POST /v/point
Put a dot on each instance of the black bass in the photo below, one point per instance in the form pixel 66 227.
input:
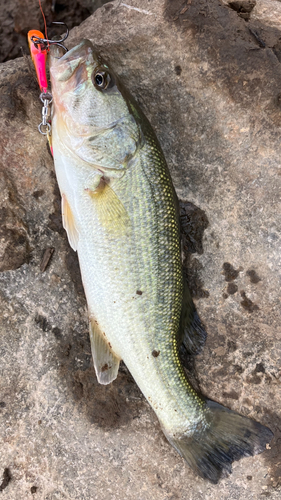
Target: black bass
pixel 120 212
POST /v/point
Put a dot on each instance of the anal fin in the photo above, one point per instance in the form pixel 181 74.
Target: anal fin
pixel 106 363
pixel 192 333
pixel 69 223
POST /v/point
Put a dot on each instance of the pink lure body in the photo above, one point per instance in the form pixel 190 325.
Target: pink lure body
pixel 39 58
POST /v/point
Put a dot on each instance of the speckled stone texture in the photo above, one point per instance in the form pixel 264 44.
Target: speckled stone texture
pixel 211 89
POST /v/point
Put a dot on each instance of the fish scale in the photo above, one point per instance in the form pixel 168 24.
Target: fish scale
pixel 121 215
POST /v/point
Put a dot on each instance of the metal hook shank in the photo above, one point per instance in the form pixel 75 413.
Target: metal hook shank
pixel 45 42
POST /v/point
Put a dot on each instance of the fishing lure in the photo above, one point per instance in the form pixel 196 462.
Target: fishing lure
pixel 39 53
pixel 39 47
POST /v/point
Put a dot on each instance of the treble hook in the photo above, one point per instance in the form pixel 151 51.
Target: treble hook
pixel 45 42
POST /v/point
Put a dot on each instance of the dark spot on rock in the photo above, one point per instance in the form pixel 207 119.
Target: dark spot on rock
pixel 39 422
pixel 268 379
pixel 37 194
pixel 259 368
pixel 238 369
pixel 247 354
pixel 72 264
pixel 243 7
pixel 231 395
pixel 257 409
pixel 247 303
pixel 155 353
pixel 178 70
pixel 109 344
pixel 193 222
pixel 20 240
pixel 254 278
pixel 254 379
pixel 33 489
pixel 42 322
pixel 57 332
pixel 232 288
pixel 2 404
pixel 67 350
pixel 225 296
pixel 229 272
pixel 231 346
pixel 105 367
pixel 6 479
pixel 249 478
pixel 139 292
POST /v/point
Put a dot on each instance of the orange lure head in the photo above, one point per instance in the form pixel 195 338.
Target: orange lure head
pixel 39 54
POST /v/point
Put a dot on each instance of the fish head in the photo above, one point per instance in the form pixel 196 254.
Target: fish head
pixel 93 115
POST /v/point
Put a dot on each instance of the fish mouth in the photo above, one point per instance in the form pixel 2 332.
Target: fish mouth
pixel 58 55
pixel 84 48
pixel 63 65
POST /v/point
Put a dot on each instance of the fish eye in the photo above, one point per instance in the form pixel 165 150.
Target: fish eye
pixel 101 79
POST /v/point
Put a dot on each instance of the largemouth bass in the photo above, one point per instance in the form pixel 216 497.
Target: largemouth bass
pixel 120 212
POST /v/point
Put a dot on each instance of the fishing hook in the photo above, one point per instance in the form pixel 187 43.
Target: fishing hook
pixel 45 42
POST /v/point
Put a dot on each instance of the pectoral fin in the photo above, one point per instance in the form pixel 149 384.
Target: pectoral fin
pixel 111 211
pixel 106 363
pixel 69 223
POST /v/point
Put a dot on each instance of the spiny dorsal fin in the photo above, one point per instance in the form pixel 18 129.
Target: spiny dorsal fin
pixel 69 223
pixel 106 363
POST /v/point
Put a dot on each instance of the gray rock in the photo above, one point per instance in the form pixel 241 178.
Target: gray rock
pixel 212 93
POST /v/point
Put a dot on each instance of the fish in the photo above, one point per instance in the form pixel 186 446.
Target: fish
pixel 120 212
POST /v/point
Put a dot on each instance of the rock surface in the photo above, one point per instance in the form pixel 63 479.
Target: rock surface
pixel 212 93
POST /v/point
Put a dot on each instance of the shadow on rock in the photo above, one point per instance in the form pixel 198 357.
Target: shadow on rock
pixel 107 406
pixel 193 222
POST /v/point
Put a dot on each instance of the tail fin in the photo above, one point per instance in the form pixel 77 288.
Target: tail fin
pixel 224 436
